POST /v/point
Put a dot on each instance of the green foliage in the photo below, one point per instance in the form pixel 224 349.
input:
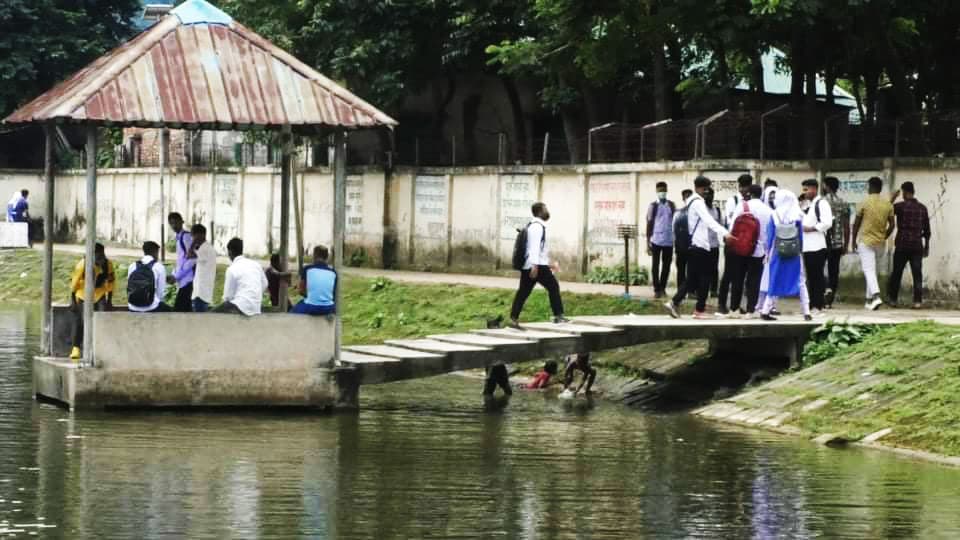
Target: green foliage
pixel 832 338
pixel 358 257
pixel 617 275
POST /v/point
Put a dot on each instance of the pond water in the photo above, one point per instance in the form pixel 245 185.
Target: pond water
pixel 422 460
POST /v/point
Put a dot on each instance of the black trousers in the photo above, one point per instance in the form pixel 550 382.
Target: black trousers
pixel 833 269
pixel 681 269
pixel 749 272
pixel 900 259
pixel 730 262
pixel 497 376
pixel 814 262
pixel 698 278
pixel 77 309
pixel 660 273
pixel 714 269
pixel 544 277
pixel 184 301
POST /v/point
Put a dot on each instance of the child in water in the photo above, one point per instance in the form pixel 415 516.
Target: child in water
pixel 542 379
pixel 579 362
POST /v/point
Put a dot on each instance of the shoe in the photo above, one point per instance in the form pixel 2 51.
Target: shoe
pixel 767 317
pixel 736 315
pixel 750 316
pixel 775 312
pixel 75 353
pixel 917 305
pixel 672 310
pixel 560 320
pixel 818 313
pixel 828 297
pixel 808 318
pixel 874 304
pixel 701 315
pixel 722 313
pixel 515 324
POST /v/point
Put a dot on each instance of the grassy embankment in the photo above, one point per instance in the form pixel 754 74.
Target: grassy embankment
pixel 374 309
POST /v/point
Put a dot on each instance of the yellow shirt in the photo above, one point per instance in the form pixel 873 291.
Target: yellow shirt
pixel 104 284
pixel 875 213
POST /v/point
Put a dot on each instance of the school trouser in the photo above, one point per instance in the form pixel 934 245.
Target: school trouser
pixel 662 258
pixel 868 263
pixel 900 259
pixel 751 280
pixel 497 376
pixel 833 269
pixel 544 277
pixel 714 268
pixel 735 272
pixel 184 301
pixel 698 278
pixel 731 261
pixel 814 262
pixel 681 269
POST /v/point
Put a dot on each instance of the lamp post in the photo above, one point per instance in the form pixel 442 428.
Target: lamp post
pixel 627 232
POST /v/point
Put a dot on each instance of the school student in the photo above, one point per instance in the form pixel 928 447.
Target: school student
pixel 537 268
pixel 731 262
pixel 244 284
pixel 205 269
pixel 183 270
pixel 147 282
pixel 699 224
pixel 748 271
pixel 681 254
pixel 912 244
pixel 104 280
pixel 660 239
pixel 838 237
pixel 714 242
pixel 785 256
pixel 318 285
pixel 817 220
pixel 874 225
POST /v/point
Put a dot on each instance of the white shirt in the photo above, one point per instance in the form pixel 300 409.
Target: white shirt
pixel 732 208
pixel 160 277
pixel 714 237
pixel 764 215
pixel 817 240
pixel 700 223
pixel 536 245
pixel 244 284
pixel 205 272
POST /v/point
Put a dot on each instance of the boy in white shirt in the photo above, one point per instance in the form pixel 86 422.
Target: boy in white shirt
pixel 145 292
pixel 244 283
pixel 205 273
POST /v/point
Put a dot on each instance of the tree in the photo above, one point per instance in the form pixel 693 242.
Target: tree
pixel 42 42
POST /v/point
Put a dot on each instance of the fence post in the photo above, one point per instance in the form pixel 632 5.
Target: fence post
pixel 500 149
pixel 416 151
pixel 896 138
pixel 703 131
pixel 453 150
pixel 763 128
pixel 546 145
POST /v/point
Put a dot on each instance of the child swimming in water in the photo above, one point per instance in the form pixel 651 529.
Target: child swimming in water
pixel 542 379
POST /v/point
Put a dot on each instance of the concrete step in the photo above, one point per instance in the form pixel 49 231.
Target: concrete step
pixel 459 356
pixel 548 343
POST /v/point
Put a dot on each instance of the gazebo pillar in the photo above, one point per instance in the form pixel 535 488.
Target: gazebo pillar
pixel 46 338
pixel 91 224
pixel 339 227
pixel 286 167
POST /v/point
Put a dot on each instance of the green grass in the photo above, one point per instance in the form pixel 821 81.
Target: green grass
pixel 373 309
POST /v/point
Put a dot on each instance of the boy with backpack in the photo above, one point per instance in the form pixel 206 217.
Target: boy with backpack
pixel 817 220
pixel 147 282
pixel 733 263
pixel 531 258
pixel 660 239
pixel 750 223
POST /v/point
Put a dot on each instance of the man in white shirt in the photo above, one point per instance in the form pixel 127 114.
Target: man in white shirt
pixel 732 209
pixel 699 224
pixel 817 220
pixel 537 268
pixel 205 269
pixel 749 271
pixel 147 282
pixel 244 283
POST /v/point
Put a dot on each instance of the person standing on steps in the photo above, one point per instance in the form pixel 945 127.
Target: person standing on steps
pixel 102 293
pixel 183 270
pixel 695 239
pixel 784 271
pixel 537 268
pixel 749 271
pixel 715 242
pixel 731 262
pixel 681 255
pixel 912 244
pixel 817 220
pixel 660 239
pixel 875 220
pixel 838 237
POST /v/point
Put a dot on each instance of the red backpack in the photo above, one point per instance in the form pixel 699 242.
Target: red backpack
pixel 746 230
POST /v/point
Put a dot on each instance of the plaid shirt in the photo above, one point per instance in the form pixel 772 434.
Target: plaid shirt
pixel 913 225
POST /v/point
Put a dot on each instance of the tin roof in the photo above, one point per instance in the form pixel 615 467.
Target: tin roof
pixel 198 68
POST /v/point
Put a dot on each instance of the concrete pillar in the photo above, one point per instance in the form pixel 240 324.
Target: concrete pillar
pixel 89 272
pixel 347 387
pixel 339 225
pixel 46 344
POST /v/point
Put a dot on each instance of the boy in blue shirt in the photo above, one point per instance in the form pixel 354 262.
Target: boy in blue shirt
pixel 318 283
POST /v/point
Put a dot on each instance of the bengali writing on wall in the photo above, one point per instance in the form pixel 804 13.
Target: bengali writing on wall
pixel 430 207
pixel 517 194
pixel 354 204
pixel 611 203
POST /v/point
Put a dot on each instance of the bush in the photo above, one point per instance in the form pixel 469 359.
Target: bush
pixel 832 338
pixel 616 275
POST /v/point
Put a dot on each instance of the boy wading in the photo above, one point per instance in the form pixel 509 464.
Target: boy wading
pixel 535 266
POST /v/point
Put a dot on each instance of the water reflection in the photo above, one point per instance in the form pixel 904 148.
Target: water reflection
pixel 423 460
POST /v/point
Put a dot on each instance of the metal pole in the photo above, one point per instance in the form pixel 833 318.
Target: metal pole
pixel 896 138
pixel 416 151
pixel 339 225
pixel 47 316
pixel 453 151
pixel 89 272
pixel 826 139
pixel 286 165
pixel 763 128
pixel 626 265
pixel 163 195
pixel 546 145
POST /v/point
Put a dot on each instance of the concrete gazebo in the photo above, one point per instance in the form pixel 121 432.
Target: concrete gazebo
pixel 195 69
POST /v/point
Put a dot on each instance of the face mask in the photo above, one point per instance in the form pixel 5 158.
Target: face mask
pixel 546 216
pixel 662 195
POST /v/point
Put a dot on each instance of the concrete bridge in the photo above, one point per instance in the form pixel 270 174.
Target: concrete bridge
pixel 280 360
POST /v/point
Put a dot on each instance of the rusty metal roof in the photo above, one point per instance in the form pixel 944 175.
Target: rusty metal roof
pixel 198 68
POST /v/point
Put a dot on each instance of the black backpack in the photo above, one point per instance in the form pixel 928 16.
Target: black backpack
pixel 682 235
pixel 142 285
pixel 520 247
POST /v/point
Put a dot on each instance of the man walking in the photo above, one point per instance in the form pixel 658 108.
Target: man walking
pixel 875 222
pixel 537 268
pixel 911 245
pixel 817 220
pixel 838 237
pixel 183 271
pixel 731 261
pixel 205 273
pixel 681 254
pixel 700 222
pixel 660 239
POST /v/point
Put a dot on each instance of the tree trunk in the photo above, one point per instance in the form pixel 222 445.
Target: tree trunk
pixel 812 121
pixel 757 83
pixel 571 132
pixel 520 138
